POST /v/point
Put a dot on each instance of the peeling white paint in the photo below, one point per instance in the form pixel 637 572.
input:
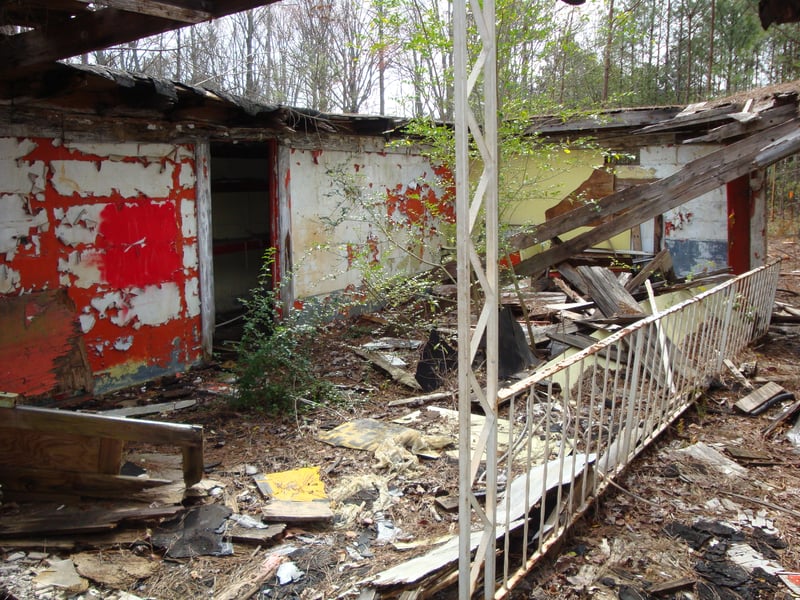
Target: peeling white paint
pixel 83 267
pixel 190 256
pixel 9 279
pixel 87 321
pixel 123 343
pixel 87 178
pixel 16 222
pixel 79 224
pixel 186 177
pixel 22 177
pixel 13 148
pixel 188 219
pixel 155 305
pixel 103 303
pixel 192 295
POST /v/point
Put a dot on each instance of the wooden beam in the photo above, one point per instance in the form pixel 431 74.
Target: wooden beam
pixel 661 262
pixel 766 119
pixel 92 30
pixel 634 205
pixel 174 11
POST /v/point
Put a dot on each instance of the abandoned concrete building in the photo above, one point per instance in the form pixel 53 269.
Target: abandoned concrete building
pixel 86 183
pixel 135 213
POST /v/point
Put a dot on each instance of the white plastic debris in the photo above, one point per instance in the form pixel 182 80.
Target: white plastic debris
pixel 288 573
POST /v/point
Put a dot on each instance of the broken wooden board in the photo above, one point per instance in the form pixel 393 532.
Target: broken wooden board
pixel 398 374
pixel 661 262
pixel 70 520
pixel 109 434
pixel 149 409
pixel 737 374
pixel 581 342
pixel 785 415
pixel 18 482
pixel 759 397
pixel 744 454
pixel 609 294
pixel 599 184
pixel 255 536
pixel 667 587
pixel 297 512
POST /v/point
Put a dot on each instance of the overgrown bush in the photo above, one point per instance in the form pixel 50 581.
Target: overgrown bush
pixel 274 368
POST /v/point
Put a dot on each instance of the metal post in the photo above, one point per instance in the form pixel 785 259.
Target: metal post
pixel 469 263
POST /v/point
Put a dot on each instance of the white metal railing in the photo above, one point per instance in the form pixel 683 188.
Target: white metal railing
pixel 577 422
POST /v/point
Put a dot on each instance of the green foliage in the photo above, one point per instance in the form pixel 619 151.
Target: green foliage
pixel 274 364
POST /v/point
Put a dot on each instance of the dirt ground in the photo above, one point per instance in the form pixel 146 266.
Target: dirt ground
pixel 639 535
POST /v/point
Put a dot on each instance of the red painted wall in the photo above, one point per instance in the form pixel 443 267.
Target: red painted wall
pixel 115 225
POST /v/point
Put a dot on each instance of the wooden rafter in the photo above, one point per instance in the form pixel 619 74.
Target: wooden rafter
pixel 47 31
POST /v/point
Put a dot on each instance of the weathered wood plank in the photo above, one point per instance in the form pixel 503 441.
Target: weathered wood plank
pixel 148 409
pixel 758 397
pixel 737 374
pixel 72 520
pixel 33 449
pixel 661 262
pixel 297 512
pixel 60 422
pixel 608 293
pixel 24 480
pixel 768 118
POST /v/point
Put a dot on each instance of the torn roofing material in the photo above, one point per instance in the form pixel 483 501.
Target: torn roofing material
pixel 108 92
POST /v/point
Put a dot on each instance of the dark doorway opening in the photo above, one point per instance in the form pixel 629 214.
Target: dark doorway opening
pixel 241 221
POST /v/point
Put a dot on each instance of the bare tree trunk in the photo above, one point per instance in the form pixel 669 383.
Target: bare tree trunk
pixel 711 48
pixel 607 53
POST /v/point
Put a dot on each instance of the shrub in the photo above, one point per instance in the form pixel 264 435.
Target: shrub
pixel 274 367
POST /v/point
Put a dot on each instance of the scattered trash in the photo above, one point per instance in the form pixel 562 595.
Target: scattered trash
pixel 60 574
pixel 373 435
pixel 116 570
pixel 288 573
pixel 295 495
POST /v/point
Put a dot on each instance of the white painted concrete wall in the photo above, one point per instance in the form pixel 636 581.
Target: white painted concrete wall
pixel 344 203
pixel 696 232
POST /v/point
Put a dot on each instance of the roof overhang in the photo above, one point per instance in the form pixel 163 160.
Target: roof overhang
pixel 38 32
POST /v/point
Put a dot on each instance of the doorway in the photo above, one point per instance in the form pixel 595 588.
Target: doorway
pixel 242 208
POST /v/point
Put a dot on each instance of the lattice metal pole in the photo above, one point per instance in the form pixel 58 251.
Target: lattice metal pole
pixel 476 214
